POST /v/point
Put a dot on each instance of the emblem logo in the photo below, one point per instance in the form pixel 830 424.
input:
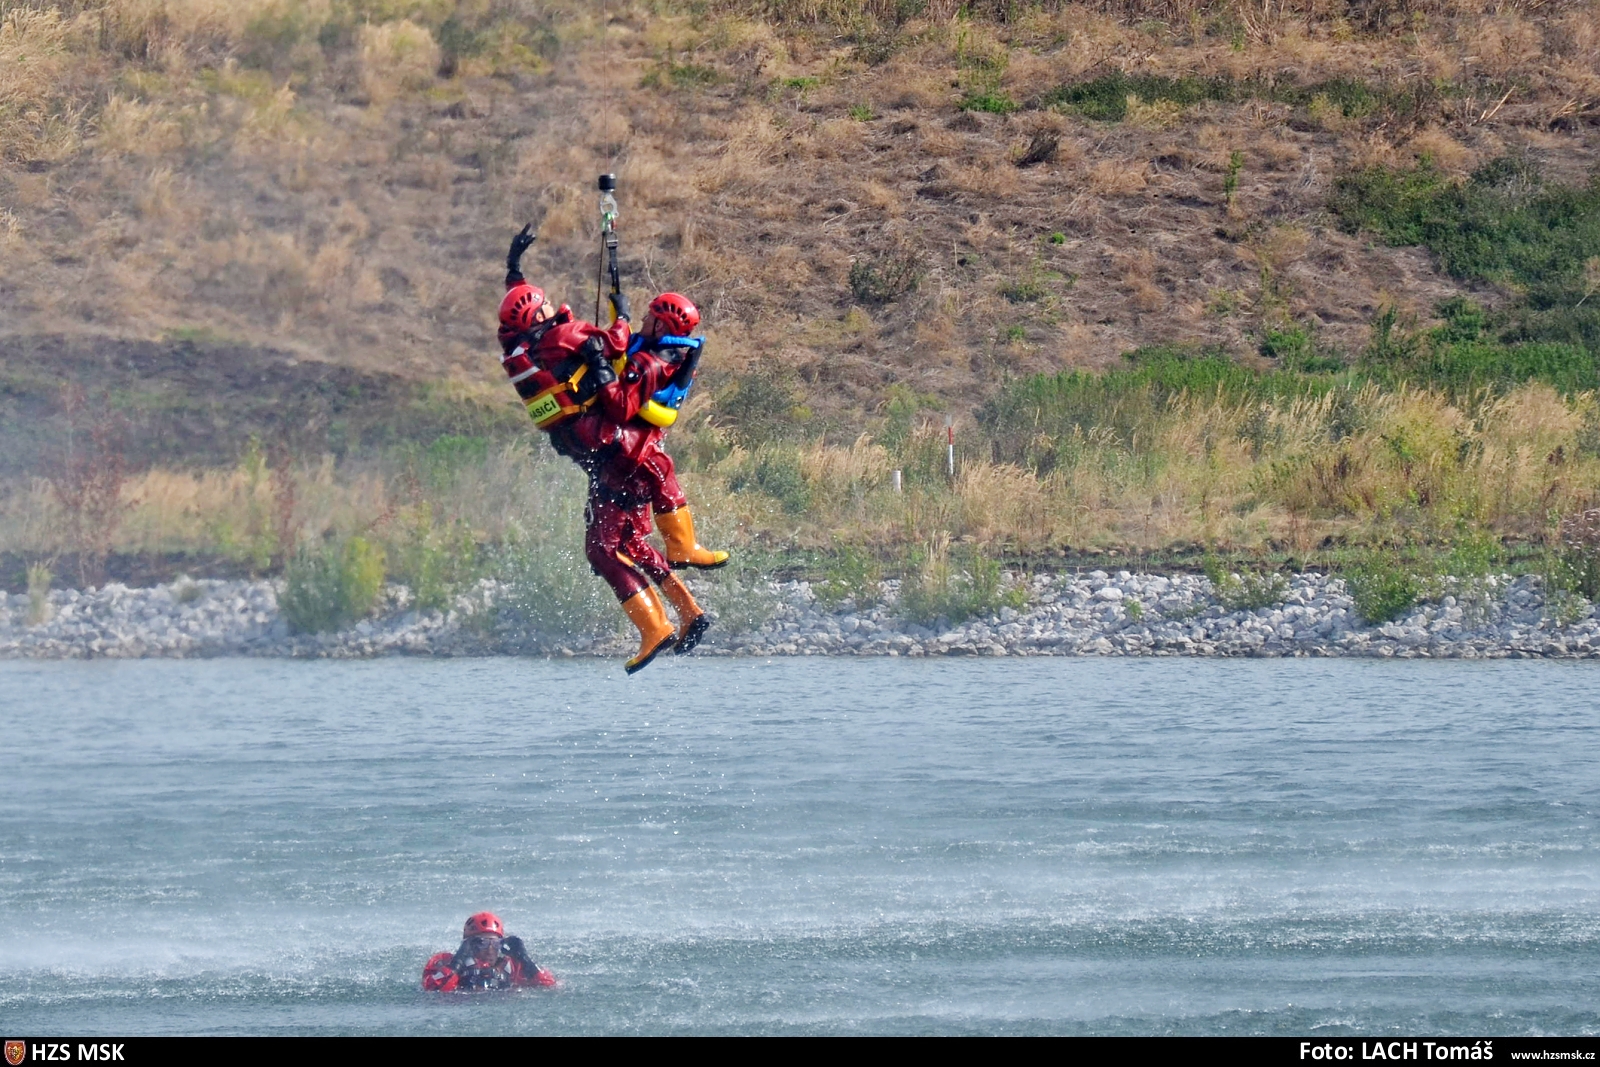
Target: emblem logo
pixel 15 1051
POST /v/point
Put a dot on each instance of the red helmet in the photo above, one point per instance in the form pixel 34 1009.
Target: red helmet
pixel 676 312
pixel 523 308
pixel 485 922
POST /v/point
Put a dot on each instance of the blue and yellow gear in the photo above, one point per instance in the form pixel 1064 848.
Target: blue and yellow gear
pixel 662 407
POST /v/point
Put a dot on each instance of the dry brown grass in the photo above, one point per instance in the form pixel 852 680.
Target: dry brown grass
pixel 396 57
pixel 38 120
pixel 352 202
pixel 1117 177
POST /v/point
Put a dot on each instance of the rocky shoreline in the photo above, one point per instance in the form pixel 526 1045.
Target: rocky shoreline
pixel 1093 613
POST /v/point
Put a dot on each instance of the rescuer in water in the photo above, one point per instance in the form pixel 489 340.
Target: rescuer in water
pixel 582 386
pixel 487 959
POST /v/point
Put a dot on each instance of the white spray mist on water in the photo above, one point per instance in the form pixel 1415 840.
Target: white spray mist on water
pixel 804 845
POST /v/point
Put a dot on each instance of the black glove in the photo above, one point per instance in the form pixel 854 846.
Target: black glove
pixel 513 947
pixel 519 245
pixel 686 370
pixel 619 306
pixel 593 354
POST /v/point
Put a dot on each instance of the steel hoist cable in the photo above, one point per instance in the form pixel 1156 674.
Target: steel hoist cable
pixel 608 181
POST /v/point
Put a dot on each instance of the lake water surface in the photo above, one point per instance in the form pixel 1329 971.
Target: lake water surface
pixel 804 845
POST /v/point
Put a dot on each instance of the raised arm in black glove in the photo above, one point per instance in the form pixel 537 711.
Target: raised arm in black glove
pixel 513 947
pixel 519 245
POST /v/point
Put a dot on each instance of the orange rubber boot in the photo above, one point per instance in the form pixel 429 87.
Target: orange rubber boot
pixel 644 610
pixel 692 621
pixel 677 530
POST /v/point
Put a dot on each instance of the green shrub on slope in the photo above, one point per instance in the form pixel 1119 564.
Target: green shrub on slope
pixel 1504 225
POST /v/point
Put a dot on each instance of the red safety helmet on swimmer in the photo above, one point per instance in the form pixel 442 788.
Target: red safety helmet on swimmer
pixel 485 922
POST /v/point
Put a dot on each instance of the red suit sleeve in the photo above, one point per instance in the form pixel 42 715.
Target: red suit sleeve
pixel 619 400
pixel 530 975
pixel 437 975
pixel 640 380
pixel 617 336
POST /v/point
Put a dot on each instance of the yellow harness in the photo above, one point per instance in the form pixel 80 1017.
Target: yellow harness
pixel 554 405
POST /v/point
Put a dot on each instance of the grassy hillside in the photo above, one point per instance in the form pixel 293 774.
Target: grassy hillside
pixel 850 188
pixel 1341 237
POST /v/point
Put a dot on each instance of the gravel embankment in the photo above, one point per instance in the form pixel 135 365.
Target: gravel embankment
pixel 1082 614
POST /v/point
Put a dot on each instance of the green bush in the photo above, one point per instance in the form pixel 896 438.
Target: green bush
pixel 1353 99
pixel 1464 320
pixel 270 39
pixel 741 598
pixel 1458 357
pixel 1029 287
pixel 902 413
pixel 1106 98
pixel 1230 181
pixel 982 70
pixel 254 540
pixel 457 41
pixel 850 574
pixel 885 277
pixel 1395 342
pixel 1469 364
pixel 1574 570
pixel 954 588
pixel 763 407
pixel 1043 420
pixel 1382 587
pixel 1571 568
pixel 1473 554
pixel 328 587
pixel 1047 421
pixel 1295 348
pixel 39 578
pixel 775 471
pixel 444 460
pixel 1572 563
pixel 549 590
pixel 435 562
pixel 1464 572
pixel 1024 291
pixel 669 72
pixel 1244 592
pixel 1503 225
pixel 992 101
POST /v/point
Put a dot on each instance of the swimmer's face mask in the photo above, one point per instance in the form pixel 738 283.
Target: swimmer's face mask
pixel 483 949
